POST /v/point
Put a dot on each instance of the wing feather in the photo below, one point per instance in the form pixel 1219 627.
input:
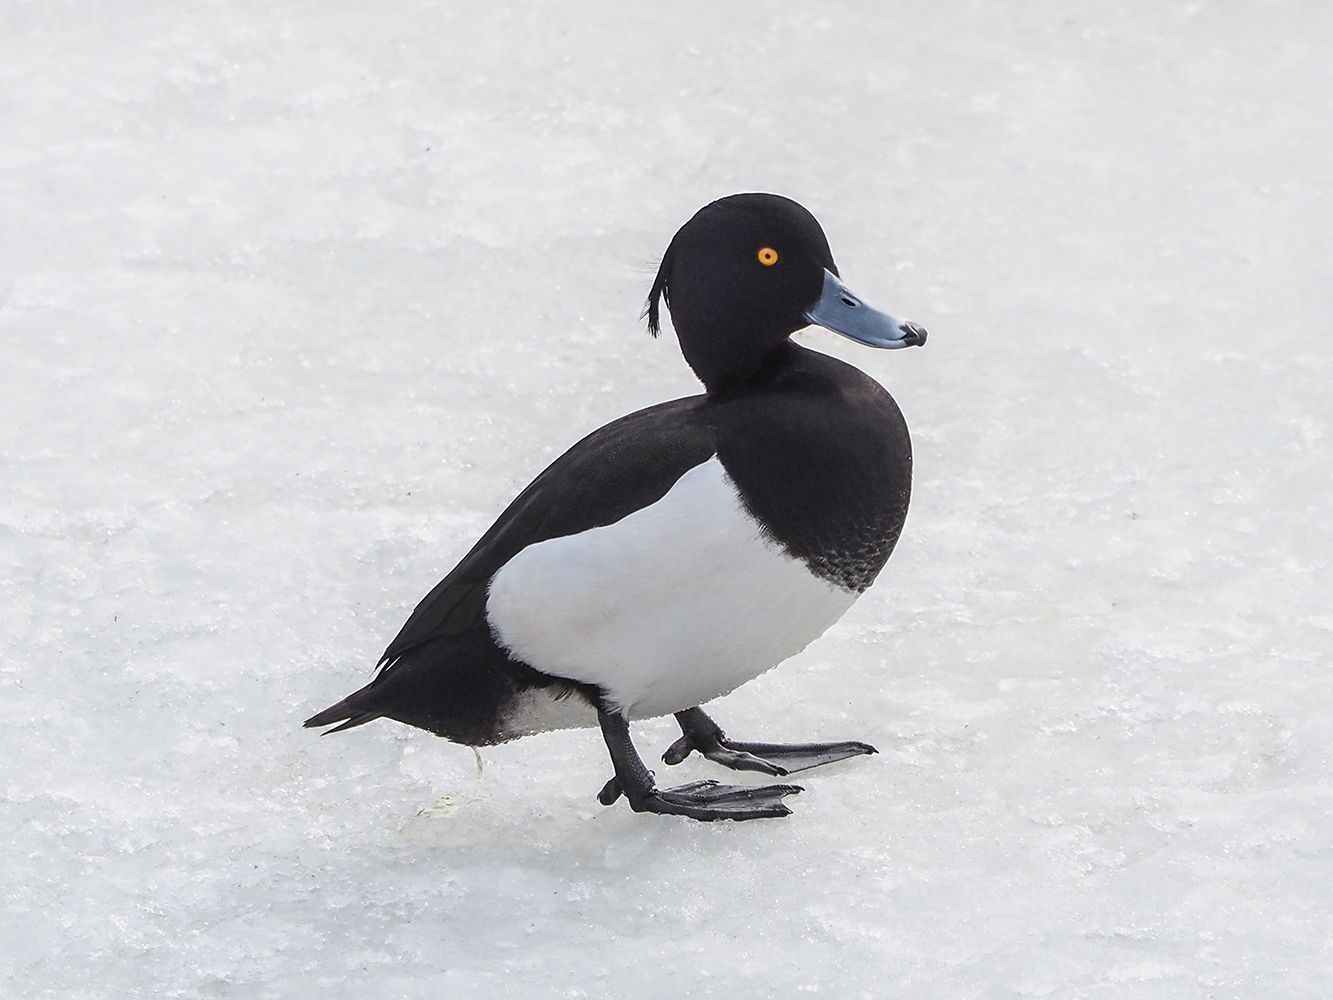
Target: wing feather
pixel 628 464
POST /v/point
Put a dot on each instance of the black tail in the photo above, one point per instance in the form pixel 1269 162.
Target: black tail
pixel 455 686
pixel 354 709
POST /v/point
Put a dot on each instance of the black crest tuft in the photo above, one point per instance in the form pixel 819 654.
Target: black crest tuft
pixel 657 295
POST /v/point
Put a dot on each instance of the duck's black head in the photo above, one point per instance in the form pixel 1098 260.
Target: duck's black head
pixel 746 273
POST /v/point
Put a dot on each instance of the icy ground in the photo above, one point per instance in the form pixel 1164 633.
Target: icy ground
pixel 295 296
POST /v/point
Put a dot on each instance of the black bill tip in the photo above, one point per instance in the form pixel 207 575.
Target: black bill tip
pixel 913 335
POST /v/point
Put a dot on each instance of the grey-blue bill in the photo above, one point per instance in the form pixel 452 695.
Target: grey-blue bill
pixel 841 310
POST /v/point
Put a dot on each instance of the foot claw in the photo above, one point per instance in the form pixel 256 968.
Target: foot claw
pixel 678 751
pixel 610 792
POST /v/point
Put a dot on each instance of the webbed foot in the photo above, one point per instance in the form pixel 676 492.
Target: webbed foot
pixel 701 800
pixel 701 733
pixel 708 800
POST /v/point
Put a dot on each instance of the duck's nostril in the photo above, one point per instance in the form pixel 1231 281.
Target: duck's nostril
pixel 849 302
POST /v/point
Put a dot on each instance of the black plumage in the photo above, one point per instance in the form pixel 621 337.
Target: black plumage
pixel 817 452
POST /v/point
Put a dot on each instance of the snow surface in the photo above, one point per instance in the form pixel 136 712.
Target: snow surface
pixel 295 296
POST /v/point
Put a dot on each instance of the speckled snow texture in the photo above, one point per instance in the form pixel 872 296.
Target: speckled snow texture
pixel 295 297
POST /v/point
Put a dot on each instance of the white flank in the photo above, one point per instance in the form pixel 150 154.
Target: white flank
pixel 667 608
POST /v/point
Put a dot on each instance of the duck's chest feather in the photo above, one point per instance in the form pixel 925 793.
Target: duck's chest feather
pixel 822 459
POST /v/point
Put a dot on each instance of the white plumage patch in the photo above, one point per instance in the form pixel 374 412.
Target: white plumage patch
pixel 669 607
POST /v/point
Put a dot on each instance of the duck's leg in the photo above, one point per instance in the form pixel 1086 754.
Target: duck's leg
pixel 701 733
pixel 704 800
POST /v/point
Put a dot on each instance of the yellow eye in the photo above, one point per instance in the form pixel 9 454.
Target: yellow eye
pixel 767 256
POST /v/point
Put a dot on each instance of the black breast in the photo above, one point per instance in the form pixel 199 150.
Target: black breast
pixel 822 458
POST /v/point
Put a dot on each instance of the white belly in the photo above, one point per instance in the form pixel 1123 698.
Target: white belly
pixel 667 608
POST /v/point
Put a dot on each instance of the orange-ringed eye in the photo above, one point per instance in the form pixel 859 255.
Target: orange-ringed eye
pixel 767 256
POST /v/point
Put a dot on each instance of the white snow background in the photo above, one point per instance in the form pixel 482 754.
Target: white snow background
pixel 296 296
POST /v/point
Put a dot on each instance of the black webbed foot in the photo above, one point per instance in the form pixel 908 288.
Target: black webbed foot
pixel 701 733
pixel 701 800
pixel 708 800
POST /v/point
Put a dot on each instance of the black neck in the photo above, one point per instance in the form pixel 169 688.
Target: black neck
pixel 725 374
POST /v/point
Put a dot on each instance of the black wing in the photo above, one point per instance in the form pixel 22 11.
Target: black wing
pixel 628 464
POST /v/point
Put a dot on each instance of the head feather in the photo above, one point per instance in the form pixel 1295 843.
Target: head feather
pixel 658 294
